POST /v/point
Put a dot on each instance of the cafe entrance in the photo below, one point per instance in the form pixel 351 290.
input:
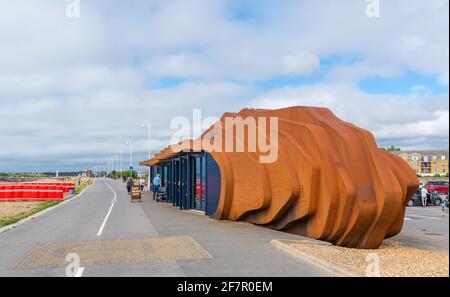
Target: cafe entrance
pixel 186 177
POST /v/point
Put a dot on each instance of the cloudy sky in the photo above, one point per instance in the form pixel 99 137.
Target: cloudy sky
pixel 74 90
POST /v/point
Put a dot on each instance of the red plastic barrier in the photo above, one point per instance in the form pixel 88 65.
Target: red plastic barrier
pixel 18 192
pixel 52 192
pixel 34 195
pixel 9 192
pixel 32 191
pixel 43 192
pixel 27 192
pixel 60 194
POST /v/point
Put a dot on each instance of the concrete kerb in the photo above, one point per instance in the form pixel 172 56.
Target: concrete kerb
pixel 307 258
pixel 47 210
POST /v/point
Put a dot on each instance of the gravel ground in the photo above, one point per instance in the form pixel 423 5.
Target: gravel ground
pixel 13 208
pixel 394 259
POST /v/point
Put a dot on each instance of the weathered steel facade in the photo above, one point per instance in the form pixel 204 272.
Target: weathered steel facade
pixel 330 180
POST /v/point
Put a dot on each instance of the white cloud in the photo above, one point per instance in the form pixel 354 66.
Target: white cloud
pixel 48 129
pixel 433 125
pixel 393 119
pixel 361 70
pixel 76 89
pixel 301 63
pixel 80 78
pixel 420 90
pixel 181 65
pixel 38 35
pixel 443 79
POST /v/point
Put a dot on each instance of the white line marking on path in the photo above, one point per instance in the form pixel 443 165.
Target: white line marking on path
pixel 407 219
pixel 109 212
pixel 427 218
pixel 80 272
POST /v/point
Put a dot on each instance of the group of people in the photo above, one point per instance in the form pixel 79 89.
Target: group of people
pixel 424 194
pixel 130 185
pixel 156 185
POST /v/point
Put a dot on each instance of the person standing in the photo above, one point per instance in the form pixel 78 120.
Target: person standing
pixel 129 185
pixel 156 185
pixel 424 194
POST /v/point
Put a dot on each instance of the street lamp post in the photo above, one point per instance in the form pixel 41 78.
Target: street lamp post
pixel 117 163
pixel 113 169
pixel 148 126
pixel 121 164
pixel 130 143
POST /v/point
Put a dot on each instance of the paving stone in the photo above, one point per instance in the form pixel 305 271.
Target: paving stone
pixel 113 251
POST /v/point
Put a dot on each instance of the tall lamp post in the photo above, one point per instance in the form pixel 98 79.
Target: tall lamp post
pixel 130 144
pixel 147 125
pixel 113 166
pixel 117 163
pixel 121 164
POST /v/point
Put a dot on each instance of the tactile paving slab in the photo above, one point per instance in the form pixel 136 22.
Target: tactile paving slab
pixel 52 255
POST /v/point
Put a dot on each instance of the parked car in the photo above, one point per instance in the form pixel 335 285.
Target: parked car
pixel 433 199
pixel 441 187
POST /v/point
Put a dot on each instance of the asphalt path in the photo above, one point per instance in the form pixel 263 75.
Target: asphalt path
pixel 104 213
pixel 426 228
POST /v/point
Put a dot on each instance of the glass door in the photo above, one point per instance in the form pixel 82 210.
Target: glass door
pixel 177 182
pixel 184 202
pixel 198 184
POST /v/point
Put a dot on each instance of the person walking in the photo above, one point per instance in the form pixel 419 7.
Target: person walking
pixel 424 195
pixel 141 184
pixel 129 185
pixel 156 185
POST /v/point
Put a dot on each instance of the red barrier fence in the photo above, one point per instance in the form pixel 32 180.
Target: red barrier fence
pixel 197 188
pixel 34 191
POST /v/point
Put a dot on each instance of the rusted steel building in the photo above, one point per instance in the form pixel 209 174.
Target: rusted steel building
pixel 329 180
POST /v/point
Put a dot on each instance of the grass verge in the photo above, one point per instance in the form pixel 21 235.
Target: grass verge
pixel 9 220
pixel 83 185
pixel 5 221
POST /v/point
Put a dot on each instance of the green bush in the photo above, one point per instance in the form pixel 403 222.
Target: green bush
pixel 120 174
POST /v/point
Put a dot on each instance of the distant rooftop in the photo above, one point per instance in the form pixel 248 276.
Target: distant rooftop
pixel 422 152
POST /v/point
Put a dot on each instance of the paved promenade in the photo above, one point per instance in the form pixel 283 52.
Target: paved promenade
pixel 114 237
